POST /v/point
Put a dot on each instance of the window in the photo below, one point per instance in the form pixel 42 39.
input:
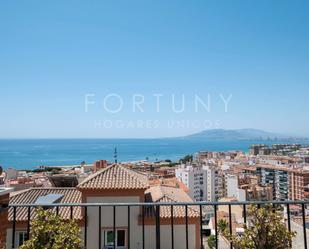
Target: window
pixel 21 237
pixel 120 238
pixel 109 239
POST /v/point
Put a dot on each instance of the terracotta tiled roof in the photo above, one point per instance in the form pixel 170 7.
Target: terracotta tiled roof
pixel 164 194
pixel 115 177
pixel 29 196
pixel 169 182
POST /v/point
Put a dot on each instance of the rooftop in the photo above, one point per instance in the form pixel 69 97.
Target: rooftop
pixel 30 196
pixel 283 168
pixel 115 177
pixel 164 194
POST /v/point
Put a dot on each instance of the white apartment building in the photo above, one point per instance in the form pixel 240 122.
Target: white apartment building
pixel 232 189
pixel 203 182
pixel 213 183
pixel 195 178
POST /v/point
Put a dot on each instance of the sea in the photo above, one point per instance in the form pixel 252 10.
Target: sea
pixel 26 154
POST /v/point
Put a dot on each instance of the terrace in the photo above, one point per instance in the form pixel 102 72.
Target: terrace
pixel 175 225
pixel 117 208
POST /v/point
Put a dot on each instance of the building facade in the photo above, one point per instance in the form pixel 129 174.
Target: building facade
pixel 116 184
pixel 287 183
pixel 4 201
pixel 232 188
pixel 203 181
pixel 195 178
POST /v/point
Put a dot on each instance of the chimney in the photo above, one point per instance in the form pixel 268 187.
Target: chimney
pixel 101 164
pixel 4 202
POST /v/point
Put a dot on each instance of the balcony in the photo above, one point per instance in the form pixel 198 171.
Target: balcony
pixel 153 225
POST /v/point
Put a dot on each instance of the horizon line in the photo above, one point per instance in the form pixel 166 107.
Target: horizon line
pixel 283 136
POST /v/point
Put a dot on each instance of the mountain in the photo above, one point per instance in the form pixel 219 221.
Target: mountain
pixel 240 134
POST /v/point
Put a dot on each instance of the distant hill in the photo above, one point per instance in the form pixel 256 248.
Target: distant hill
pixel 240 134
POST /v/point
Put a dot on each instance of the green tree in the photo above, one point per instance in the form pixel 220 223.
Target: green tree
pixel 222 225
pixel 266 230
pixel 187 158
pixel 1 170
pixel 211 241
pixel 48 231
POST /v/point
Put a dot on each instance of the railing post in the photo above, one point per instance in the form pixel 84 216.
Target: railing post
pixel 143 226
pixel 304 226
pixel 230 221
pixel 245 214
pixel 288 216
pixel 129 227
pixel 100 232
pixel 289 220
pixel 216 226
pixel 28 223
pixel 85 220
pixel 114 226
pixel 172 225
pixel 187 230
pixel 201 226
pixel 158 241
pixel 14 227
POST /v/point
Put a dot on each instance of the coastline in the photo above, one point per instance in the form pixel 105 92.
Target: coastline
pixel 31 153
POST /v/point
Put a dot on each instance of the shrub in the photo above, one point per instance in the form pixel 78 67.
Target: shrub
pixel 266 230
pixel 211 241
pixel 48 231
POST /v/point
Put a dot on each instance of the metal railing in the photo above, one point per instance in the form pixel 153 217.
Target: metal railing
pixel 155 207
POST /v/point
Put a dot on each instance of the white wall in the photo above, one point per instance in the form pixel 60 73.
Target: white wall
pixel 211 183
pixel 231 185
pixel 107 219
pixel 166 238
pixel 135 229
pixel 232 189
pixel 195 178
pixel 241 195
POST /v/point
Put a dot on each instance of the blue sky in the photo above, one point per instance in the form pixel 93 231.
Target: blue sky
pixel 53 53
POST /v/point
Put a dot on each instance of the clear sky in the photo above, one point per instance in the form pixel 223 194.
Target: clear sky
pixel 54 53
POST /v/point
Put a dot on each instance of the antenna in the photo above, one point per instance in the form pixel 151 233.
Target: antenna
pixel 115 155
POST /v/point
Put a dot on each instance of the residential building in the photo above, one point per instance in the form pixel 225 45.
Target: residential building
pixel 259 149
pixel 195 178
pixel 4 201
pixel 232 188
pixel 11 174
pixel 288 183
pixel 275 149
pixel 116 184
pixel 214 183
pixel 258 193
